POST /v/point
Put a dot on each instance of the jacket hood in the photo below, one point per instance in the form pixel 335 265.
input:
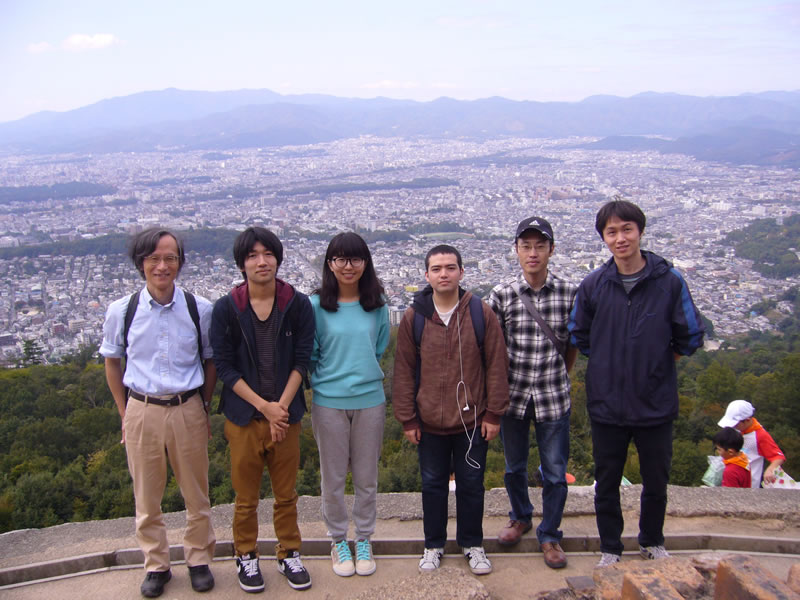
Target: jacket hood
pixel 423 301
pixel 284 292
pixel 655 266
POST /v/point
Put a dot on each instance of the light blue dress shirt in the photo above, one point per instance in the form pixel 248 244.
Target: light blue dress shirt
pixel 162 343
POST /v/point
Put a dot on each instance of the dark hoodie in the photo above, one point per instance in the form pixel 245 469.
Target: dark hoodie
pixel 631 340
pixel 434 409
pixel 232 337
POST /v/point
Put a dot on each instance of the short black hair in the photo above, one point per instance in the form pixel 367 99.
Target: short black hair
pixel 729 438
pixel 623 210
pixel 144 243
pixel 443 249
pixel 244 242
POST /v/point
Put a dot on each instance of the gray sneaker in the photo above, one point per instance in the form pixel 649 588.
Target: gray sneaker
pixel 479 564
pixel 430 559
pixel 342 559
pixel 607 559
pixel 653 552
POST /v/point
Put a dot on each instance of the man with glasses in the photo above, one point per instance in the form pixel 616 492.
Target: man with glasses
pixel 534 312
pixel 162 396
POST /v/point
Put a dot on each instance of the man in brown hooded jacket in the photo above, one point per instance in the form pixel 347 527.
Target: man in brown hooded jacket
pixel 449 393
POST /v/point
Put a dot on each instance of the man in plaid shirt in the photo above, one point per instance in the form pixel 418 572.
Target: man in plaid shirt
pixel 539 385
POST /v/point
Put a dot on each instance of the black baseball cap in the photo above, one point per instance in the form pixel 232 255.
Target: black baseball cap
pixel 537 224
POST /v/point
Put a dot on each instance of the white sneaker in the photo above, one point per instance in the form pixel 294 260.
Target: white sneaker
pixel 365 563
pixel 478 562
pixel 653 552
pixel 342 559
pixel 430 560
pixel 607 559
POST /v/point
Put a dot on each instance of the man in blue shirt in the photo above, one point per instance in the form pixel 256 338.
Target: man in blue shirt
pixel 162 397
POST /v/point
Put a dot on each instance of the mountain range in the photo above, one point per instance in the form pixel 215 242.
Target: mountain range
pixel 712 128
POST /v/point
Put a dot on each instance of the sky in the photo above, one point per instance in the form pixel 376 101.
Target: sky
pixel 62 54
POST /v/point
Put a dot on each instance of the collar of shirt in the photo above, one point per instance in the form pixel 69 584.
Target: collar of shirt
pixel 162 353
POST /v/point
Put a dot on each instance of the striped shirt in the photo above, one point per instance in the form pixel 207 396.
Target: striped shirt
pixel 265 333
pixel 536 370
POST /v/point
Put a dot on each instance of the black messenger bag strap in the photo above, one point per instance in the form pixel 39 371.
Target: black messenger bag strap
pixel 561 347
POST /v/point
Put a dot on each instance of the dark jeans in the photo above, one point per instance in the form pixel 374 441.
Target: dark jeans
pixel 610 449
pixel 552 438
pixel 436 455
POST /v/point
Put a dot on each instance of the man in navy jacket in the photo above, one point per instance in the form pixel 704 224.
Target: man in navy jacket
pixel 262 334
pixel 633 317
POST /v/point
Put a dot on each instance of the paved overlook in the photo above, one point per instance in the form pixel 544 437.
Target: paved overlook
pixel 99 559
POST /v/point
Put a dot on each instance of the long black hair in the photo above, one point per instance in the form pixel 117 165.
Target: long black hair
pixel 370 289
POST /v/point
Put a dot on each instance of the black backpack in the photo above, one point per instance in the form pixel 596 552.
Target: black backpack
pixel 478 325
pixel 191 304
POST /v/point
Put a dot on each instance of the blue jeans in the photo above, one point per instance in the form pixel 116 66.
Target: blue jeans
pixel 436 455
pixel 552 438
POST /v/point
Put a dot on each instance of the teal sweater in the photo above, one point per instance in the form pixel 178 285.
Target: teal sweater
pixel 345 362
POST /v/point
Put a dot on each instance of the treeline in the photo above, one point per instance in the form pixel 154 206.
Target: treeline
pixel 340 188
pixel 772 248
pixel 217 242
pixel 57 191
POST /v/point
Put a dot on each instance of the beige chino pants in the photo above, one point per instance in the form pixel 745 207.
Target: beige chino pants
pixel 153 434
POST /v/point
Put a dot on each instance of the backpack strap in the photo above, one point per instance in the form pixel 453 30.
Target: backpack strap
pixel 478 322
pixel 133 304
pixel 478 325
pixel 560 346
pixel 191 304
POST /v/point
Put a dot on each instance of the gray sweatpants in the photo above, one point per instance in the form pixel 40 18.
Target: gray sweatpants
pixel 349 438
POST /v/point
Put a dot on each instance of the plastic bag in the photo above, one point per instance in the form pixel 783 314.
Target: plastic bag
pixel 713 474
pixel 782 481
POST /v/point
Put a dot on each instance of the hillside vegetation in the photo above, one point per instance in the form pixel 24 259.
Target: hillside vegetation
pixel 61 460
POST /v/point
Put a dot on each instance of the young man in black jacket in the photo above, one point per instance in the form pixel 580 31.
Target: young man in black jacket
pixel 633 317
pixel 262 334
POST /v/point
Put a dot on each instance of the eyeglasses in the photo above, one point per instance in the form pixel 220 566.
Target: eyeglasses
pixel 154 259
pixel 341 262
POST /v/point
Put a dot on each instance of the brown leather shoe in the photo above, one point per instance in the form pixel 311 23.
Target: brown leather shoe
pixel 512 532
pixel 554 556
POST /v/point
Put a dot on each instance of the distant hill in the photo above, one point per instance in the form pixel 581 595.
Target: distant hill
pixel 737 145
pixel 221 121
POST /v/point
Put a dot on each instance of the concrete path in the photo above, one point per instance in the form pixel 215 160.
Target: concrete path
pixel 766 526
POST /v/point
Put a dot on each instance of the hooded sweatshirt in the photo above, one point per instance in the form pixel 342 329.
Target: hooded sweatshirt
pixel 449 357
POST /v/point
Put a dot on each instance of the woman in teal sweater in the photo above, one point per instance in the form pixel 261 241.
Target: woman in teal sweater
pixel 347 414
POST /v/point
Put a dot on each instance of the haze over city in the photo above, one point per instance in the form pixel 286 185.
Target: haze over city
pixel 60 56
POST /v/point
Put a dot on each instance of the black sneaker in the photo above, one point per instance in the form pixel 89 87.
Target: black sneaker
pixel 154 582
pixel 201 578
pixel 250 579
pixel 295 572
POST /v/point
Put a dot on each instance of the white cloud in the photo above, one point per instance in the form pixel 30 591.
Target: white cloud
pixel 38 47
pixel 388 84
pixel 443 85
pixel 81 41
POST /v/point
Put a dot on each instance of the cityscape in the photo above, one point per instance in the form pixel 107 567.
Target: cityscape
pixel 306 194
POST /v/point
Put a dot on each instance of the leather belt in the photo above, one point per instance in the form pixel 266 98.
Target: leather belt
pixel 175 400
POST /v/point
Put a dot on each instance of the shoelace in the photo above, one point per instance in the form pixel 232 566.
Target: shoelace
pixel 343 551
pixel 430 555
pixel 250 566
pixel 363 550
pixel 478 555
pixel 294 564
